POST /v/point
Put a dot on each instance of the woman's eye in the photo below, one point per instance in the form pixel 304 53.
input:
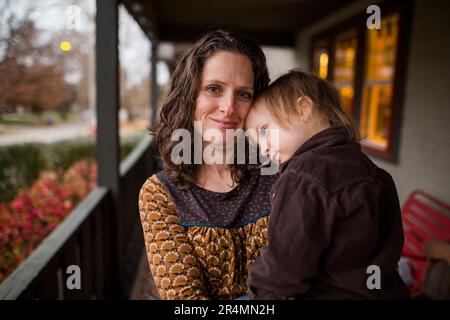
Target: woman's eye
pixel 245 95
pixel 213 89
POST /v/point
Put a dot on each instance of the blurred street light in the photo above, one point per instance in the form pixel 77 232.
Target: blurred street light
pixel 65 46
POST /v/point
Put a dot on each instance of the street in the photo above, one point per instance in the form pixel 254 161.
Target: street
pixel 50 134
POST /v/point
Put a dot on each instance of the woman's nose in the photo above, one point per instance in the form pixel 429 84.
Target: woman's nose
pixel 227 104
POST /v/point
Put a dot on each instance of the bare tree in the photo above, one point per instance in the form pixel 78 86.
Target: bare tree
pixel 33 73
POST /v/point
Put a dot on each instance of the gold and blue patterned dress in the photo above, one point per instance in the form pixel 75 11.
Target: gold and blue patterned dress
pixel 200 243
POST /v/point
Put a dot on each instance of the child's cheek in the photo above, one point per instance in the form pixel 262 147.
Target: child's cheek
pixel 274 140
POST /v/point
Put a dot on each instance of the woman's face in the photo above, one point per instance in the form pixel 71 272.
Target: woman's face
pixel 225 93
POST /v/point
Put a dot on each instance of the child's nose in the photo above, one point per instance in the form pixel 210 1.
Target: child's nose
pixel 263 144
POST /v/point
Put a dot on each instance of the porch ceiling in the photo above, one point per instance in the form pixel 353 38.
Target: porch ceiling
pixel 270 22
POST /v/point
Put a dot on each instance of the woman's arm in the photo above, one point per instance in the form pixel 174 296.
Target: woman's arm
pixel 173 264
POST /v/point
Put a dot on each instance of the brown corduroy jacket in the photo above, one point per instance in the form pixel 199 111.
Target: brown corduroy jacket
pixel 335 223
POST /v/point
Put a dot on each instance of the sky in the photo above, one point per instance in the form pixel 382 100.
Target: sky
pixel 52 16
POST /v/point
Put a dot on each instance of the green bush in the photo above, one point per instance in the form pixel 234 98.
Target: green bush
pixel 64 154
pixel 19 167
pixel 20 164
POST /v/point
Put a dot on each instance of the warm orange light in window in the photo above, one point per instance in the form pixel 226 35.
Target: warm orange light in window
pixel 347 96
pixel 344 68
pixel 377 99
pixel 323 65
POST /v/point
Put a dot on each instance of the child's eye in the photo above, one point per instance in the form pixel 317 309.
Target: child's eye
pixel 263 130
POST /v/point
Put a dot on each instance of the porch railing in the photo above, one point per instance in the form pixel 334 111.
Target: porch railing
pixel 106 244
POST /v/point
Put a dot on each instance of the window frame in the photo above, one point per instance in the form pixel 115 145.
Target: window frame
pixel 358 22
pixel 315 43
pixel 347 29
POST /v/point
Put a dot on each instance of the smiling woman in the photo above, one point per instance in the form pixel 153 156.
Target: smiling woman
pixel 205 223
pixel 226 91
pixel 222 103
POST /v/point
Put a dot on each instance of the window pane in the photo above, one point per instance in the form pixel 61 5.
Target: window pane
pixel 347 94
pixel 375 118
pixel 381 49
pixel 135 87
pixel 320 59
pixel 344 70
pixel 377 104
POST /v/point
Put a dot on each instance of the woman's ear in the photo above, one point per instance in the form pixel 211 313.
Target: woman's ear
pixel 305 108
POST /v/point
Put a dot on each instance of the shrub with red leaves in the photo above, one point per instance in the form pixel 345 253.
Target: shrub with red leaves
pixel 34 213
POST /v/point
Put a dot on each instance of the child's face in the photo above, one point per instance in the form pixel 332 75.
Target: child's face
pixel 275 141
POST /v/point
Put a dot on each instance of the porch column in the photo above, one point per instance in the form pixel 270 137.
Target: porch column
pixel 154 84
pixel 108 141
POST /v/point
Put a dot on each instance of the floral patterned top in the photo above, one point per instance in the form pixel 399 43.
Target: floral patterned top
pixel 201 243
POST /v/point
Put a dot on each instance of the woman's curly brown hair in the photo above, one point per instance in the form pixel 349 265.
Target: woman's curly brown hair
pixel 178 110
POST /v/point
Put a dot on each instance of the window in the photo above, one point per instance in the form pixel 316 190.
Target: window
pixel 320 59
pixel 363 66
pixel 344 69
pixel 377 102
pixel 135 76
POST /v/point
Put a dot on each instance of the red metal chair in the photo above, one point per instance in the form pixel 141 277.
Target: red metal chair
pixel 424 218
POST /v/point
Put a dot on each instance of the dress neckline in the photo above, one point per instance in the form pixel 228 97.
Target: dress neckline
pixel 218 193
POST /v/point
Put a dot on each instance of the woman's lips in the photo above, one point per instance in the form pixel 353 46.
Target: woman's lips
pixel 224 124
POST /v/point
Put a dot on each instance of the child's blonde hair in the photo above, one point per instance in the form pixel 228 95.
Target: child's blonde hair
pixel 282 94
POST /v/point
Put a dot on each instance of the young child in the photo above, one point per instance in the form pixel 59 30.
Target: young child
pixel 335 231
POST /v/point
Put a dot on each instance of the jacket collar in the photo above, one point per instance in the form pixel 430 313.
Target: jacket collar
pixel 335 135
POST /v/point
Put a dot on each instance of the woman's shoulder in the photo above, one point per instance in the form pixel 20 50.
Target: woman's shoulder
pixel 152 185
pixel 154 196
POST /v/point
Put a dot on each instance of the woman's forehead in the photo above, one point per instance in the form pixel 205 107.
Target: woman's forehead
pixel 228 67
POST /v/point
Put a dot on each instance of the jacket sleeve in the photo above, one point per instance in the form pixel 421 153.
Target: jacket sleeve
pixel 300 229
pixel 173 263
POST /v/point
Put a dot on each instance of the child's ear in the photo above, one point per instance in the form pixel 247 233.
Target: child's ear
pixel 305 107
